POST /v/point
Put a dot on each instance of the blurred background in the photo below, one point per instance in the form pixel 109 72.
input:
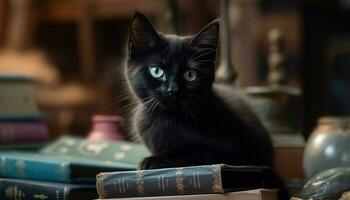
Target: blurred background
pixel 292 59
pixel 74 50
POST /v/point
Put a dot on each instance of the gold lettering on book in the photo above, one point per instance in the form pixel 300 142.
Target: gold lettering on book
pixel 195 180
pixel 216 182
pixel 119 185
pixel 58 194
pixel 14 193
pixel 40 196
pixel 123 185
pixel 159 182
pixel 198 181
pixel 180 180
pixel 161 185
pixel 140 183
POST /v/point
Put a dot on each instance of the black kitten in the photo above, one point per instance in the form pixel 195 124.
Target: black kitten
pixel 183 118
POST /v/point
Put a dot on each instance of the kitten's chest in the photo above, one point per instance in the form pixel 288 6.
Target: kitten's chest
pixel 159 132
pixel 161 126
pixel 179 126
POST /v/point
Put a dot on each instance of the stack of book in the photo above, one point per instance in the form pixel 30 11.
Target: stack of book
pixel 21 123
pixel 65 169
pixel 207 182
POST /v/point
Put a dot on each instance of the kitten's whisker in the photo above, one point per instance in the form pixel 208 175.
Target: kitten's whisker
pixel 122 99
pixel 153 106
pixel 133 111
pixel 146 98
pixel 138 107
pixel 128 106
pixel 159 105
pixel 146 104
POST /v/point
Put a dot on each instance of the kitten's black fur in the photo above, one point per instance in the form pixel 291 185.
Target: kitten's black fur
pixel 186 123
pixel 189 122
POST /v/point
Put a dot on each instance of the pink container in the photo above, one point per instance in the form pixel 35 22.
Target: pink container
pixel 107 127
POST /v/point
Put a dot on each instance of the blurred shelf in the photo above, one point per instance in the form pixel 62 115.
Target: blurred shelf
pixel 65 11
pixel 67 95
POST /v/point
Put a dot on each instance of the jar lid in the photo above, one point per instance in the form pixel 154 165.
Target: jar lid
pixel 334 120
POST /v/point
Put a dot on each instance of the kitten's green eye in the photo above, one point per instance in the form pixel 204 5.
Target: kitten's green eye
pixel 190 75
pixel 156 72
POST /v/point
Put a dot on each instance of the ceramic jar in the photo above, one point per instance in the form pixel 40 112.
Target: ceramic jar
pixel 106 127
pixel 328 146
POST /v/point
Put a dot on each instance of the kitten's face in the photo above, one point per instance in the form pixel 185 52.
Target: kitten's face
pixel 169 68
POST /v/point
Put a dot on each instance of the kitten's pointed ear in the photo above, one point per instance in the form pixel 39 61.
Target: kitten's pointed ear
pixel 208 37
pixel 141 33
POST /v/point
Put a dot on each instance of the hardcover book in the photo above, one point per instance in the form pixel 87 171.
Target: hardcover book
pixel 17 98
pixel 13 189
pixel 35 166
pixel 203 179
pixel 258 194
pixel 17 132
pixel 112 152
pixel 28 147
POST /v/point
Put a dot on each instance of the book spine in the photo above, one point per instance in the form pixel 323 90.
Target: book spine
pixel 172 181
pixel 22 132
pixel 34 170
pixel 22 118
pixel 12 189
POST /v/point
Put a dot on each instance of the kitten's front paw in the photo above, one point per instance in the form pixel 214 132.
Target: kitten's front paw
pixel 152 162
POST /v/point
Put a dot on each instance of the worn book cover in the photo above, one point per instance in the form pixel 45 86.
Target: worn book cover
pixel 203 179
pixel 36 166
pixel 14 189
pixel 113 152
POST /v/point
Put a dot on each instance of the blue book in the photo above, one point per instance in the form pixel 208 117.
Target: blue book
pixel 19 118
pixel 13 189
pixel 36 166
pixel 205 179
